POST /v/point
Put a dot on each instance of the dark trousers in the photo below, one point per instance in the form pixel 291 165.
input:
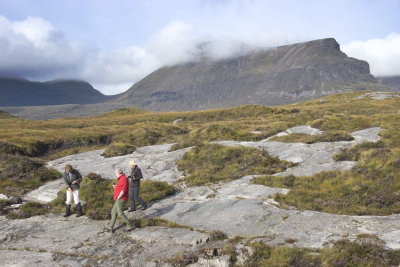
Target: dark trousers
pixel 134 195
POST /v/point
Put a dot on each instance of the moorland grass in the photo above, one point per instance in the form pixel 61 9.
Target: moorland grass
pixel 28 209
pixel 372 187
pixel 343 113
pixel 20 174
pixel 363 251
pixel 212 163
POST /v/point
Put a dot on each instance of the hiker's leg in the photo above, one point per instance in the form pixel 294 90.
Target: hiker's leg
pixel 138 198
pixel 131 198
pixel 120 209
pixel 114 213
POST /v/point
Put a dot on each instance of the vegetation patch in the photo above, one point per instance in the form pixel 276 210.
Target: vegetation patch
pixel 19 174
pixel 98 194
pixel 354 153
pixel 213 163
pixel 215 132
pixel 28 209
pixel 182 259
pixel 371 187
pixel 265 255
pixel 118 149
pixel 364 251
pixel 331 136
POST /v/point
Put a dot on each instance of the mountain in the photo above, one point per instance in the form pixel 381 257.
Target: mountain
pixel 20 92
pixel 392 82
pixel 282 75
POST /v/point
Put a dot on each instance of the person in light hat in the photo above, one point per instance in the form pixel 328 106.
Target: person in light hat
pixel 134 182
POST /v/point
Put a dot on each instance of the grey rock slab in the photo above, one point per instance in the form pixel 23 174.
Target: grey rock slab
pixel 243 188
pixel 46 192
pixel 179 236
pixel 3 197
pixel 25 258
pixel 312 158
pixel 156 162
pixel 224 261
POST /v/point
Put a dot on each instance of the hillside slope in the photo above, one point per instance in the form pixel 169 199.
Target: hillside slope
pixel 20 92
pixel 392 82
pixel 282 75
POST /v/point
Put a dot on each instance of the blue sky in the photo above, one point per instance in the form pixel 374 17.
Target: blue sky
pixel 113 44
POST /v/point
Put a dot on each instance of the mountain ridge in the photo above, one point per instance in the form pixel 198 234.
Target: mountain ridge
pixel 282 75
pixel 22 92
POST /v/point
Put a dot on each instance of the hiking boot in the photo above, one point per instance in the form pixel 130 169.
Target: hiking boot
pixel 79 210
pixel 131 210
pixel 108 230
pixel 144 207
pixel 130 228
pixel 67 210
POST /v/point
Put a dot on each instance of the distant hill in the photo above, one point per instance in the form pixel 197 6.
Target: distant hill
pixel 20 92
pixel 282 75
pixel 392 82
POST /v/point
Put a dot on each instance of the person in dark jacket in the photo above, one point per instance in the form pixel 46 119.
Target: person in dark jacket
pixel 72 179
pixel 135 177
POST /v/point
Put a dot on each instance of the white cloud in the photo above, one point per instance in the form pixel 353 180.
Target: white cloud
pixel 34 49
pixel 383 55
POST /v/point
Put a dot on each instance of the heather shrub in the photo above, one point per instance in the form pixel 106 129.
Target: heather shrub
pixel 212 163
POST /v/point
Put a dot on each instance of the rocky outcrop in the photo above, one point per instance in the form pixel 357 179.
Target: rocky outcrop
pixel 281 75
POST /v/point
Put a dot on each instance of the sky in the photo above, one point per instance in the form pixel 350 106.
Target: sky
pixel 113 44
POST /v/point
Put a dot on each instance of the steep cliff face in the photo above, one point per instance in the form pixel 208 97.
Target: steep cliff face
pixel 282 75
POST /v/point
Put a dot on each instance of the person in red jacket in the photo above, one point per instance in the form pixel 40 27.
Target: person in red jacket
pixel 121 195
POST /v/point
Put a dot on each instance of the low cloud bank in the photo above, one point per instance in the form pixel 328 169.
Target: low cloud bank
pixel 35 49
pixel 383 55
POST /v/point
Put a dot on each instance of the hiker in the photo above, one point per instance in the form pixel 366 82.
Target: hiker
pixel 121 195
pixel 72 179
pixel 135 177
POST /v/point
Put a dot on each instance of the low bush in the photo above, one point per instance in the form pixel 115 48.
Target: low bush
pixel 364 251
pixel 354 153
pixel 118 149
pixel 19 174
pixel 29 209
pixel 212 163
pixel 215 132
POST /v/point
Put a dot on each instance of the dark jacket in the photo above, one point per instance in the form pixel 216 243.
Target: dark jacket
pixel 135 176
pixel 75 176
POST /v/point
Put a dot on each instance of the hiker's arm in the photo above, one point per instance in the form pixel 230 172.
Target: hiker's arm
pixel 120 194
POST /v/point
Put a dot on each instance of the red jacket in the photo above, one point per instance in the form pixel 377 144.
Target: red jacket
pixel 122 185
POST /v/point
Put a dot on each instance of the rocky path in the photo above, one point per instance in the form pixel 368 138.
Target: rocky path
pixel 235 208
